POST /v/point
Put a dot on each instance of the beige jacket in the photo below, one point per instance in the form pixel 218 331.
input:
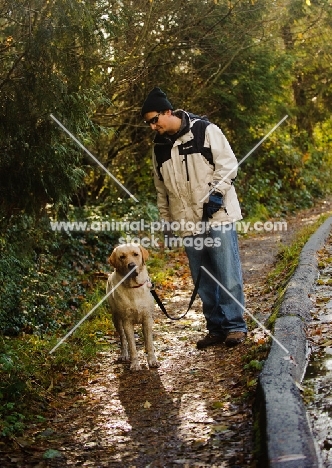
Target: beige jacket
pixel 186 170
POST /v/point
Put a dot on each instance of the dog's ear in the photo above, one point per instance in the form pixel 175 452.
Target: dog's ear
pixel 145 253
pixel 113 258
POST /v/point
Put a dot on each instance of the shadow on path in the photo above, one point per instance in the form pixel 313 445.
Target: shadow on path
pixel 152 415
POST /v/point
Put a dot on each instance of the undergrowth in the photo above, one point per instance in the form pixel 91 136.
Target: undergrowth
pixel 30 371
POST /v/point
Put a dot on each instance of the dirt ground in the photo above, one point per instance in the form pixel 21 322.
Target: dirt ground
pixel 194 411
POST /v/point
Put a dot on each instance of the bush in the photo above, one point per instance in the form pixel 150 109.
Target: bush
pixel 283 179
pixel 44 275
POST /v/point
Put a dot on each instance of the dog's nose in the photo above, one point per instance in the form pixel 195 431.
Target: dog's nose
pixel 131 265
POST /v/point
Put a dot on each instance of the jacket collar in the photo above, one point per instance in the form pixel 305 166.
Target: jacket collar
pixel 184 128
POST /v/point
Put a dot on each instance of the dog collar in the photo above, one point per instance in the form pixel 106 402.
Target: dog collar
pixel 139 285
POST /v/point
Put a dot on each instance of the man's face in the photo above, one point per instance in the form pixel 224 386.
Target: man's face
pixel 158 121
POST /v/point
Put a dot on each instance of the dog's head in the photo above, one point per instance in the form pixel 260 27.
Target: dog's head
pixel 127 256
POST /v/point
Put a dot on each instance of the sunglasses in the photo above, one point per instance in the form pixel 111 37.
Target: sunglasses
pixel 153 121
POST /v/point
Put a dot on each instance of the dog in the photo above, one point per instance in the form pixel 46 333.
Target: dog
pixel 131 301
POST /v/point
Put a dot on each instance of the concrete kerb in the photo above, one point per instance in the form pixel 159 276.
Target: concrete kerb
pixel 289 442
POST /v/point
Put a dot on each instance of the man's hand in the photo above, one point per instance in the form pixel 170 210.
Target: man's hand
pixel 213 205
pixel 169 238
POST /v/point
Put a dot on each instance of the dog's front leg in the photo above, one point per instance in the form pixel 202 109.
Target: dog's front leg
pixel 124 357
pixel 129 331
pixel 148 339
pixel 124 345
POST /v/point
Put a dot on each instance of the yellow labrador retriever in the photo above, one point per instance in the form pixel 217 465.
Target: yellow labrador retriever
pixel 131 301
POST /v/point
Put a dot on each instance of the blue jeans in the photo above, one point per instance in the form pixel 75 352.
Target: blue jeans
pixel 220 256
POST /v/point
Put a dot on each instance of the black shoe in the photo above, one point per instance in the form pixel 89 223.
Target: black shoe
pixel 210 340
pixel 235 338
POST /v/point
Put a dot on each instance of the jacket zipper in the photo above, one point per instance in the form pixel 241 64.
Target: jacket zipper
pixel 186 163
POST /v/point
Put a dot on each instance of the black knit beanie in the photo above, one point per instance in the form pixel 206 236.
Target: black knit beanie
pixel 156 101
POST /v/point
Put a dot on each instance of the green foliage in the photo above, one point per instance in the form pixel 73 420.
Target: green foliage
pixel 255 365
pixel 45 275
pixel 122 209
pixel 12 421
pixel 280 177
pixel 12 388
pixel 46 54
pixel 288 256
pixel 254 360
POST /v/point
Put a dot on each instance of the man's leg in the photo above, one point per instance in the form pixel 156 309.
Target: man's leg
pixel 208 290
pixel 220 256
pixel 225 266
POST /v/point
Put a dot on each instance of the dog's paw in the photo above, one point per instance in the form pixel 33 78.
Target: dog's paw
pixel 124 358
pixel 135 366
pixel 153 362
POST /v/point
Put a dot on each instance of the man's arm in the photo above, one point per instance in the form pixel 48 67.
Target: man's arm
pixel 223 157
pixel 162 200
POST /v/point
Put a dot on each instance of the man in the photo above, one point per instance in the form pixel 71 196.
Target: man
pixel 194 169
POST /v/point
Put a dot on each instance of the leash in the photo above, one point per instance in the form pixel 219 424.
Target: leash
pixel 193 296
pixel 205 219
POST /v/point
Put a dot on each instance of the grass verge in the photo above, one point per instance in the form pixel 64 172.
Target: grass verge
pixel 287 261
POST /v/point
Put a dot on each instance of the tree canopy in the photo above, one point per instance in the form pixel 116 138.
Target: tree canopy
pixel 244 63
